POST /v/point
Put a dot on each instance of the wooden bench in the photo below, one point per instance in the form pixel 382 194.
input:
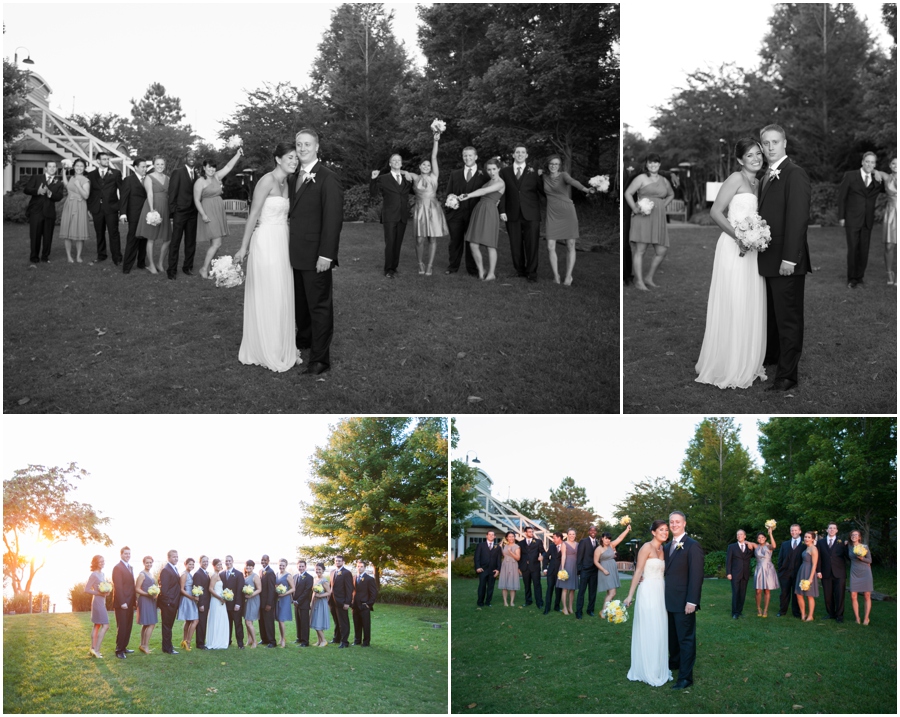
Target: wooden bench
pixel 236 206
pixel 677 207
pixel 625 566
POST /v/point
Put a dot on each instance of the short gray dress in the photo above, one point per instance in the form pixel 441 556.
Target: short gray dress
pixel 570 566
pixel 188 608
pixel 765 577
pixel 99 615
pixel 509 570
pixel 860 571
pixel 146 604
pixel 608 561
pixel 284 607
pixel 214 208
pixel 806 573
pixel 251 605
pixel 319 618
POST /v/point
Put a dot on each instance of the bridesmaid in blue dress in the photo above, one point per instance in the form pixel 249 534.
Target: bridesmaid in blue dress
pixel 766 577
pixel 318 617
pixel 146 617
pixel 570 565
pixel 808 572
pixel 99 615
pixel 187 611
pixel 860 575
pixel 251 603
pixel 285 605
pixel 484 226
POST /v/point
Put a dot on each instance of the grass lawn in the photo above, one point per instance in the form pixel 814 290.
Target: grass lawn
pixel 47 668
pixel 849 362
pixel 88 339
pixel 518 660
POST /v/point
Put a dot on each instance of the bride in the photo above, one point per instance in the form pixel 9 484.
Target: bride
pixel 217 632
pixel 650 635
pixel 269 294
pixel 735 340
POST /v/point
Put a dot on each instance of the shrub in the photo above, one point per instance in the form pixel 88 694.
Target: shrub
pixel 823 204
pixel 81 601
pixel 14 207
pixel 17 604
pixel 471 549
pixel 464 567
pixel 423 589
pixel 358 204
pixel 714 564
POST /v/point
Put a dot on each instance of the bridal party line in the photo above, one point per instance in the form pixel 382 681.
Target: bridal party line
pixel 216 605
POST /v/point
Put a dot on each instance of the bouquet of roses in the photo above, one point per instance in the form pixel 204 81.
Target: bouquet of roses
pixel 153 218
pixel 439 126
pixel 804 585
pixel 105 587
pixel 562 575
pixel 752 233
pixel 318 589
pixel 281 589
pixel 771 524
pixel 860 550
pixel 226 272
pixel 625 521
pixel 645 206
pixel 249 590
pixel 600 182
pixel 452 202
pixel 228 594
pixel 234 142
pixel 196 591
pixel 153 590
pixel 616 612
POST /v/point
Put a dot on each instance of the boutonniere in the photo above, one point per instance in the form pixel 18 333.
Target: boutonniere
pixel 311 177
pixel 679 546
pixel 774 173
pixel 531 170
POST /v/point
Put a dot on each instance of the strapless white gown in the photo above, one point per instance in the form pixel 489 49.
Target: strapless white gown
pixel 269 327
pixel 217 622
pixel 734 344
pixel 650 634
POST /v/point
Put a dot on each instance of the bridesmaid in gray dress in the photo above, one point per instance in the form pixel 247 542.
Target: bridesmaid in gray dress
pixel 146 604
pixel 605 560
pixel 766 577
pixel 508 581
pixel 860 575
pixel 562 222
pixel 284 607
pixel 318 616
pixel 187 611
pixel 99 615
pixel 808 572
pixel 251 603
pixel 570 565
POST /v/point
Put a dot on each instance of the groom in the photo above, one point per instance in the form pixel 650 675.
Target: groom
pixel 316 216
pixel 234 581
pixel 784 196
pixel 684 581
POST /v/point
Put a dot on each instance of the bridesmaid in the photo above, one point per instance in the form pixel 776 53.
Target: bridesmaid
pixel 766 577
pixel 570 565
pixel 649 229
pixel 508 581
pixel 73 226
pixel 860 575
pixel 484 225
pixel 212 224
pixel 428 217
pixel 890 219
pixel 318 617
pixel 146 617
pixel 156 184
pixel 251 602
pixel 605 560
pixel 562 222
pixel 285 606
pixel 188 611
pixel 808 572
pixel 99 615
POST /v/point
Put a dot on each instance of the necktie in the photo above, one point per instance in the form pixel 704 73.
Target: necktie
pixel 830 542
pixel 102 172
pixel 518 172
pixel 397 177
pixel 302 175
pixel 468 174
pixel 742 547
pixel 794 543
pixel 672 547
pixel 868 179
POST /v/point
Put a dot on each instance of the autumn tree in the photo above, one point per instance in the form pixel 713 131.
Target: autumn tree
pixel 568 507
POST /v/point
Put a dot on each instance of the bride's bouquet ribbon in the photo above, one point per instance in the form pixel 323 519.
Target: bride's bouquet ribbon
pixel 753 233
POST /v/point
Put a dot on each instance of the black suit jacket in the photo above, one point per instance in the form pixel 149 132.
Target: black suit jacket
pixel 181 191
pixel 522 198
pixel 342 587
pixel 133 196
pixel 458 185
pixel 684 575
pixel 789 558
pixel 317 215
pixel 554 559
pixel 395 197
pixel 487 559
pixel 737 564
pixel 784 204
pixel 833 561
pixel 201 578
pixel 303 583
pixel 584 559
pixel 267 596
pixel 856 201
pixel 44 204
pixel 123 586
pixel 236 585
pixel 529 555
pixel 169 586
pixel 104 194
pixel 366 590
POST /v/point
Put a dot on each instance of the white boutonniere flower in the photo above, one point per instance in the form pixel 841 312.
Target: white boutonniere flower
pixel 774 173
pixel 679 546
pixel 531 170
pixel 311 177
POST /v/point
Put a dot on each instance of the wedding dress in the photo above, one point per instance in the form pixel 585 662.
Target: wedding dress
pixel 217 622
pixel 735 340
pixel 650 634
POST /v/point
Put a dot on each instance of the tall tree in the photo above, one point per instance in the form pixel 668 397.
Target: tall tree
pixel 878 130
pixel 15 105
pixel 462 496
pixel 653 499
pixel 157 126
pixel 103 125
pixel 568 507
pixel 533 508
pixel 37 505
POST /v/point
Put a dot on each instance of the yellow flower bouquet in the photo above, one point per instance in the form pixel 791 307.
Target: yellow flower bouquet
pixel 616 612
pixel 196 590
pixel 228 594
pixel 771 524
pixel 153 590
pixel 281 589
pixel 804 585
pixel 562 575
pixel 625 521
pixel 318 589
pixel 249 590
pixel 105 587
pixel 860 550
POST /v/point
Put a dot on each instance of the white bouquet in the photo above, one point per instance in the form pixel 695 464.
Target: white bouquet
pixel 226 272
pixel 752 233
pixel 452 202
pixel 153 218
pixel 67 163
pixel 234 142
pixel 600 182
pixel 439 126
pixel 645 206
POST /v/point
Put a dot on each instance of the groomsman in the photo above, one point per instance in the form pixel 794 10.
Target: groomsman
pixel 532 551
pixel 395 189
pixel 342 592
pixel 463 181
pixel 554 564
pixel 45 190
pixel 737 567
pixel 833 573
pixel 267 603
pixel 184 216
pixel 856 209
pixel 169 597
pixel 487 565
pixel 201 578
pixel 103 204
pixel 132 201
pixel 303 583
pixel 587 572
pixel 234 581
pixel 790 555
pixel 364 595
pixel 125 600
pixel 520 208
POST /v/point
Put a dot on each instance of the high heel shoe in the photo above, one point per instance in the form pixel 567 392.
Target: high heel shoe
pixel 96 654
pixel 428 270
pixel 421 268
pixel 184 645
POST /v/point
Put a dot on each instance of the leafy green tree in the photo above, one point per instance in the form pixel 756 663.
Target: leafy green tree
pixel 568 507
pixel 463 478
pixel 533 508
pixel 879 109
pixel 103 125
pixel 653 499
pixel 15 105
pixel 157 127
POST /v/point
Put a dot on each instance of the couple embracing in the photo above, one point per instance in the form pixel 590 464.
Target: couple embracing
pixel 670 578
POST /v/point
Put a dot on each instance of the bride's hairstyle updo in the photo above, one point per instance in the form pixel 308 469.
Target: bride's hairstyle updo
pixel 743 145
pixel 282 149
pixel 655 524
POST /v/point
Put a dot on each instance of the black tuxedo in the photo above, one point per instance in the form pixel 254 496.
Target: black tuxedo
pixel 124 593
pixel 342 594
pixel 488 559
pixel 169 597
pixel 316 217
pixel 235 583
pixel 856 206
pixel 394 214
pixel 784 204
pixel 530 565
pixel 133 196
pixel 684 583
pixel 458 219
pixel 267 599
pixel 737 565
pixel 201 578
pixel 184 219
pixel 587 574
pixel 554 564
pixel 303 583
pixel 364 596
pixel 789 560
pixel 41 214
pixel 521 203
pixel 103 204
pixel 833 566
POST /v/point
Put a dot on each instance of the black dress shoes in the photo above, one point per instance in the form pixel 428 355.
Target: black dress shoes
pixel 316 368
pixel 590 613
pixel 782 384
pixel 734 616
pixel 682 684
pixel 129 652
pixel 120 655
pixel 171 652
pixel 188 272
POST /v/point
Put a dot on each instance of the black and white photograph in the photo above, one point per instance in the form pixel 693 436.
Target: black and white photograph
pixel 759 215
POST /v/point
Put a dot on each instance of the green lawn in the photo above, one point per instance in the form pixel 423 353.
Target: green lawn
pixel 518 660
pixel 87 339
pixel 849 362
pixel 47 668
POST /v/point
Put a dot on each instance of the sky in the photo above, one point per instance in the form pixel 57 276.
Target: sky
pixel 208 56
pixel 677 38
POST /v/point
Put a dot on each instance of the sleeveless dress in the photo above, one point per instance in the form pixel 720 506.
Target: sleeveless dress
pixel 650 634
pixel 269 329
pixel 146 604
pixel 890 212
pixel 217 631
pixel 734 343
pixel 99 614
pixel 765 577
pixel 162 231
pixel 651 228
pixel 74 222
pixel 484 224
pixel 562 222
pixel 509 570
pixel 251 605
pixel 570 566
pixel 214 207
pixel 284 608
pixel 804 574
pixel 187 610
pixel 860 571
pixel 319 618
pixel 608 561
pixel 428 218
